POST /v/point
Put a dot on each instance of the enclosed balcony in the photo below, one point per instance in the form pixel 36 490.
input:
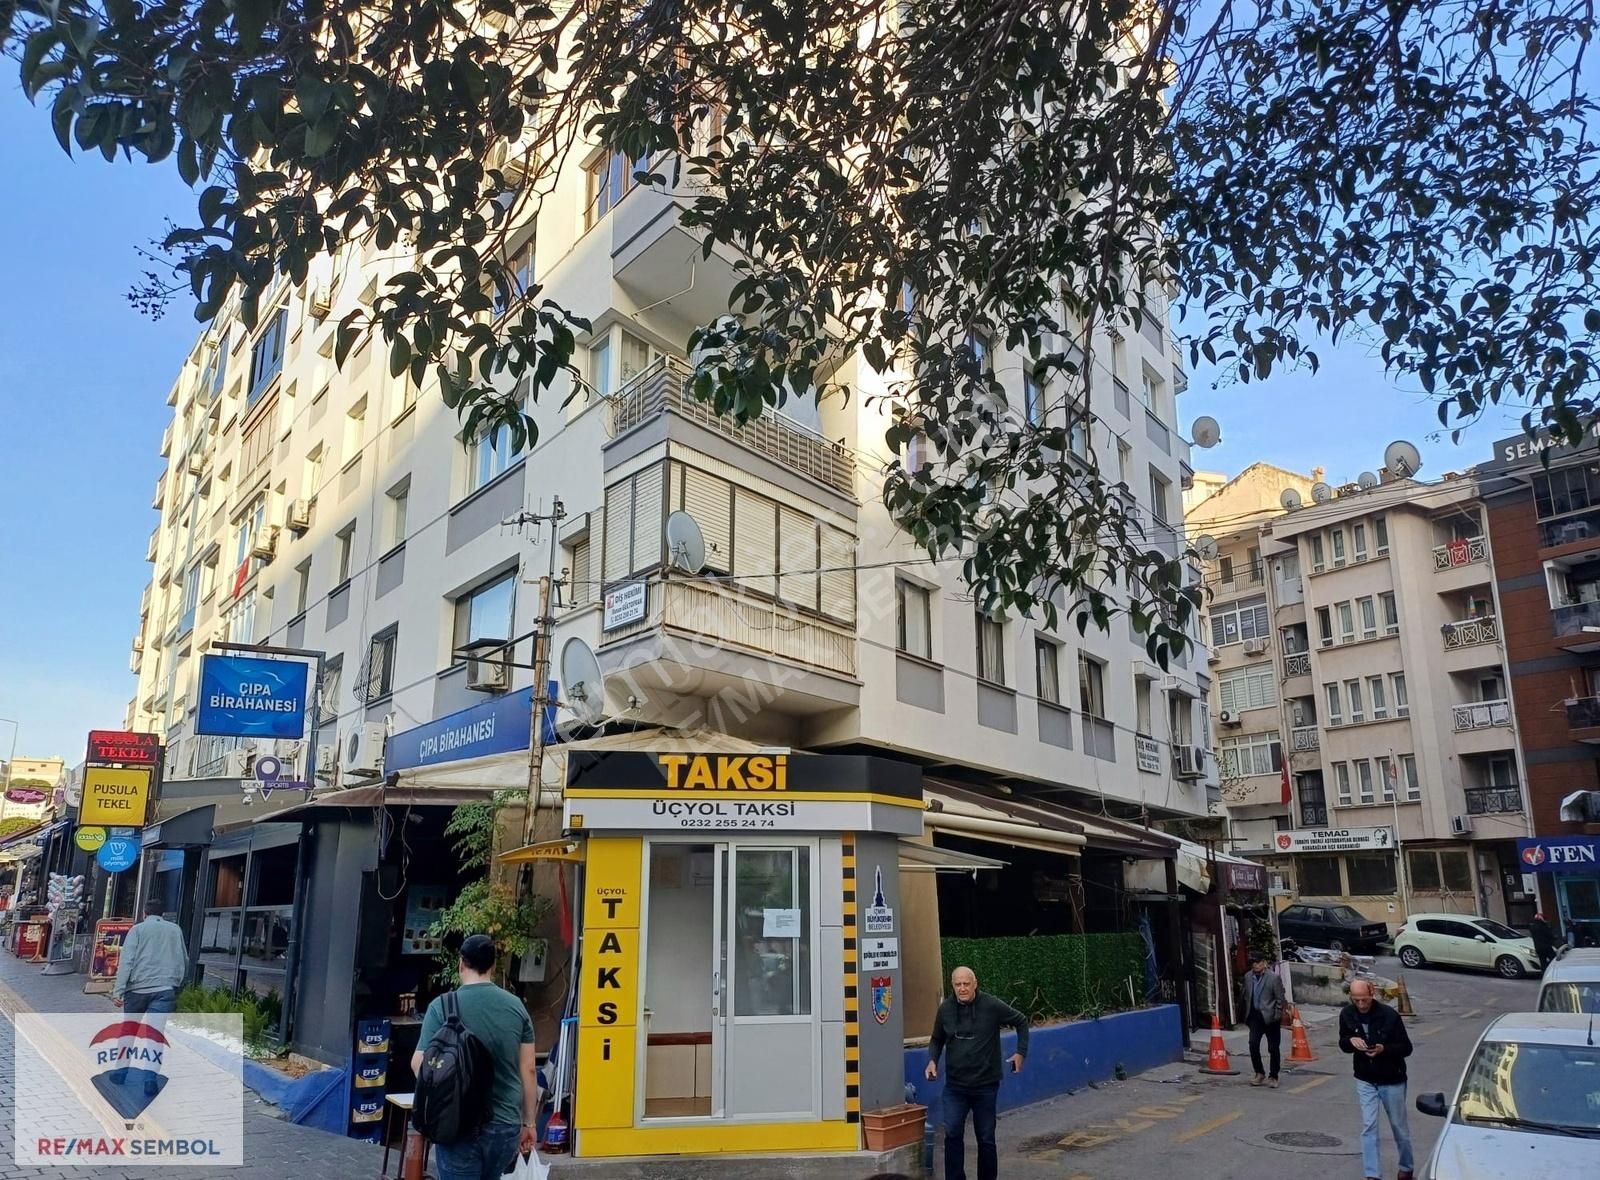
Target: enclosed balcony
pixel 1583 719
pixel 1577 626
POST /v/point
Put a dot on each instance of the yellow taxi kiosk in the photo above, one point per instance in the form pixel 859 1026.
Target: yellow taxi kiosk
pixel 739 957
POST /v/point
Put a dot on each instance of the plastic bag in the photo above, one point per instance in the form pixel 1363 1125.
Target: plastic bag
pixel 530 1167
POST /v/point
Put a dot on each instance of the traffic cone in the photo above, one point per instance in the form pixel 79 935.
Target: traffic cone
pixel 1405 1008
pixel 1217 1059
pixel 1300 1047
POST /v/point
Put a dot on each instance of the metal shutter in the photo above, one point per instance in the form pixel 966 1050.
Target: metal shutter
pixel 797 552
pixel 581 591
pixel 710 501
pixel 618 526
pixel 649 518
pixel 755 541
pixel 839 581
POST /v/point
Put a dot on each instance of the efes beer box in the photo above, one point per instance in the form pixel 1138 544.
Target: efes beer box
pixel 371 1069
pixel 372 1035
pixel 367 1108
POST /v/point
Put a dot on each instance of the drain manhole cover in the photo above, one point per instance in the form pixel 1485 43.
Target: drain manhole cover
pixel 1302 1139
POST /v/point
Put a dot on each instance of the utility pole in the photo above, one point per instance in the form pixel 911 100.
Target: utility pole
pixel 541 672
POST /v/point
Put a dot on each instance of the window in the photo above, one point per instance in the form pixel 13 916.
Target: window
pixel 1254 554
pixel 608 181
pixel 395 509
pixel 1250 754
pixel 773 975
pixel 485 612
pixel 1422 872
pixel 1238 621
pixel 1078 432
pixel 1364 779
pixel 637 356
pixel 1318 560
pixel 1319 876
pixel 1369 618
pixel 1124 461
pixel 1391 616
pixel 1254 687
pixel 408 396
pixel 1337 538
pixel 1380 534
pixel 600 366
pixel 1225 569
pixel 1397 684
pixel 1341 778
pixel 1033 401
pixel 1386 777
pixel 1377 698
pixel 1352 692
pixel 355 428
pixel 636 513
pixel 991 643
pixel 1160 496
pixel 1371 874
pixel 1358 541
pixel 1180 717
pixel 1047 671
pixel 489 455
pixel 1502 771
pixel 208 578
pixel 1455 872
pixel 580 573
pixel 1155 394
pixel 1564 490
pixel 380 664
pixel 345 544
pixel 1325 626
pixel 311 474
pixel 981 351
pixel 266 358
pixel 1143 720
pixel 1347 623
pixel 519 278
pixel 214 373
pixel 1091 686
pixel 1408 766
pixel 914 619
pixel 332 673
pixel 1335 710
pixel 191 598
pixel 302 586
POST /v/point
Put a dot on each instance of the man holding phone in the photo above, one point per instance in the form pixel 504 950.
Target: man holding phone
pixel 1375 1035
pixel 967 1031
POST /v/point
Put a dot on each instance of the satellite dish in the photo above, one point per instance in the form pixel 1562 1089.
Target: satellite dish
pixel 1402 459
pixel 1321 492
pixel 1367 481
pixel 1290 500
pixel 686 544
pixel 1206 547
pixel 583 684
pixel 1207 433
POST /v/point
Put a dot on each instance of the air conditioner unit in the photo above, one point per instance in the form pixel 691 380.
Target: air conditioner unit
pixel 138 643
pixel 322 300
pixel 238 763
pixel 363 748
pixel 1460 825
pixel 197 462
pixel 1213 656
pixel 490 674
pixel 286 750
pixel 1189 761
pixel 298 517
pixel 1226 717
pixel 1254 647
pixel 265 545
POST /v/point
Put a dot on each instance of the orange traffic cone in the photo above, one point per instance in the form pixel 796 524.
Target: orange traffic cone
pixel 1300 1047
pixel 1217 1059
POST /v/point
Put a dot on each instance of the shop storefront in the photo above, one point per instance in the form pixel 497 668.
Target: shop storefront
pixel 740 961
pixel 1570 867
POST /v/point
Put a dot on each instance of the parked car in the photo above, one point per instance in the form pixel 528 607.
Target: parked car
pixel 1465 940
pixel 1572 982
pixel 1336 927
pixel 1525 1103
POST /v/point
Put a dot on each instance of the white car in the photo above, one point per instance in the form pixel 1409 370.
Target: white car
pixel 1572 982
pixel 1528 1104
pixel 1465 940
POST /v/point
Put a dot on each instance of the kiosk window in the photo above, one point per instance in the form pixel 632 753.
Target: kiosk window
pixel 772 940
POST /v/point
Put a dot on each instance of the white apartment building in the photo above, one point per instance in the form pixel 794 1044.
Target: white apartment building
pixel 344 511
pixel 1369 626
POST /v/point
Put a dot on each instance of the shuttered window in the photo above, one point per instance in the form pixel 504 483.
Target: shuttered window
pixel 581 587
pixel 838 578
pixel 634 520
pixel 755 541
pixel 618 529
pixel 710 501
pixel 797 558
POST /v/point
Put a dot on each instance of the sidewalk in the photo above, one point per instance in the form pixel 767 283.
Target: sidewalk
pixel 272 1147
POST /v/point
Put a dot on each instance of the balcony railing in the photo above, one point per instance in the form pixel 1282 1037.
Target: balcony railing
pixel 1498 800
pixel 1583 713
pixel 1304 737
pixel 1471 632
pixel 1480 715
pixel 663 387
pixel 1147 752
pixel 1313 815
pixel 1460 552
pixel 1570 529
pixel 1574 618
pixel 1297 665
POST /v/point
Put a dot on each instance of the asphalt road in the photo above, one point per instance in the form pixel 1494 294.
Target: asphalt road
pixel 1176 1122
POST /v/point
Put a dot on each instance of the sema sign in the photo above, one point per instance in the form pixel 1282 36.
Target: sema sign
pixel 1559 854
pixel 1336 840
pixel 114 798
pixel 242 696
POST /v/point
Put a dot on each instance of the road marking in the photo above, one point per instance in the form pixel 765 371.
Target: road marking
pixel 1474 1012
pixel 1311 1085
pixel 1207 1128
pixel 1428 1032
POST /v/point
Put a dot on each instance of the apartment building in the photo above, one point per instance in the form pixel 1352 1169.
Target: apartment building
pixel 1375 633
pixel 343 511
pixel 1543 500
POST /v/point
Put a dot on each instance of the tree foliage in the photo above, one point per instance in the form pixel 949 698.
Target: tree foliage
pixel 901 182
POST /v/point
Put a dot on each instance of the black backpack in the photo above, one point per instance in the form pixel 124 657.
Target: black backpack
pixel 452 1098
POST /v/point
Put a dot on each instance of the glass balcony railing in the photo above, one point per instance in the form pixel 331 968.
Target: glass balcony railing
pixel 1575 618
pixel 1570 529
pixel 1583 713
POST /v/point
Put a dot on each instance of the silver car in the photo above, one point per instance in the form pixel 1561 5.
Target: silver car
pixel 1572 982
pixel 1528 1103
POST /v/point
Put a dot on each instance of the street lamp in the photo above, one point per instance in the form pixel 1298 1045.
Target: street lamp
pixel 16 728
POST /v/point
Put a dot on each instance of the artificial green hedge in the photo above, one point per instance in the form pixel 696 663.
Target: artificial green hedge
pixel 1053 975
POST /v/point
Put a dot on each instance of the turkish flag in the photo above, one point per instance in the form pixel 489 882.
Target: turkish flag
pixel 241 577
pixel 1287 796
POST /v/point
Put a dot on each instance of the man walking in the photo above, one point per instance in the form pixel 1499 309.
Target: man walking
pixel 152 966
pixel 1544 940
pixel 1375 1034
pixel 500 1021
pixel 1264 1014
pixel 967 1031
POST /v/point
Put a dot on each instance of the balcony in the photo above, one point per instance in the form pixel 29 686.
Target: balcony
pixel 1298 664
pixel 1577 626
pixel 652 250
pixel 1494 800
pixel 1471 633
pixel 1313 815
pixel 1460 552
pixel 741 651
pixel 1480 715
pixel 1583 719
pixel 166 440
pixel 1147 753
pixel 663 388
pixel 1569 530
pixel 1304 737
pixel 154 547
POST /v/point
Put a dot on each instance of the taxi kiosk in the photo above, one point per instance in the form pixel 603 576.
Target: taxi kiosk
pixel 739 952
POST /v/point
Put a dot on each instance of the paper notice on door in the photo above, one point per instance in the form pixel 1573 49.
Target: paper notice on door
pixel 780 924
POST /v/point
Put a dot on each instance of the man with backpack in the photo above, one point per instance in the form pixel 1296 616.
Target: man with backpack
pixel 477 1084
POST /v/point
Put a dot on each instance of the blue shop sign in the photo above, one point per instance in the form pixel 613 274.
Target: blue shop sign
pixel 118 854
pixel 1559 854
pixel 244 696
pixel 498 726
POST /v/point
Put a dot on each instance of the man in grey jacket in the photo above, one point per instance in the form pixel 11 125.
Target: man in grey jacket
pixel 153 964
pixel 1263 991
pixel 967 1031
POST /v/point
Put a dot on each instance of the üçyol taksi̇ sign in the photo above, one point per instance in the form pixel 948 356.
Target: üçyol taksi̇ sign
pixel 245 696
pixel 1336 840
pixel 114 797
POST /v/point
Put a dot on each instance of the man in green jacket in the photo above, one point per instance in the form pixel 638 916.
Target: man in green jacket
pixel 967 1031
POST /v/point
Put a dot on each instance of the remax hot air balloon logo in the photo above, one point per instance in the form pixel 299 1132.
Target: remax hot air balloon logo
pixel 129 1057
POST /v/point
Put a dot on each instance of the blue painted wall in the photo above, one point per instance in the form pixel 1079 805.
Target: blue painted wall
pixel 1065 1057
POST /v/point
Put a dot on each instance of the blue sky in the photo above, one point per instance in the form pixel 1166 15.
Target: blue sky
pixel 85 378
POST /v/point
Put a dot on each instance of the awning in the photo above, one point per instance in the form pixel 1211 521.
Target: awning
pixel 189 829
pixel 1194 869
pixel 569 851
pixel 924 858
pixel 18 837
pixel 964 813
pixel 379 795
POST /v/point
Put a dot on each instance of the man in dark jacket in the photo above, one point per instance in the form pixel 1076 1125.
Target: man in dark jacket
pixel 1263 992
pixel 1374 1033
pixel 967 1031
pixel 1544 940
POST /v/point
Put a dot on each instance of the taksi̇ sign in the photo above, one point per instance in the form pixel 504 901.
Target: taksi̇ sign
pixel 1336 840
pixel 114 797
pixel 1559 854
pixel 244 696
